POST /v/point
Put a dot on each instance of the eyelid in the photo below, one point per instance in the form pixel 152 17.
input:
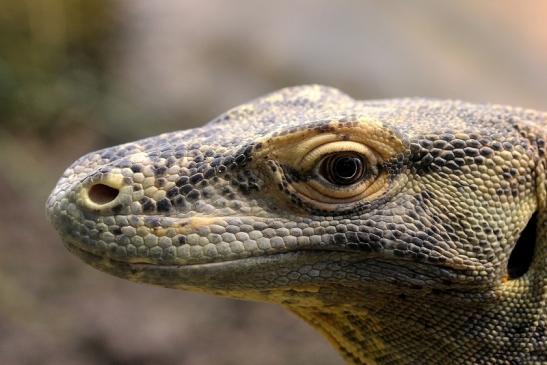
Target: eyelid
pixel 298 156
pixel 367 184
pixel 341 196
pixel 316 156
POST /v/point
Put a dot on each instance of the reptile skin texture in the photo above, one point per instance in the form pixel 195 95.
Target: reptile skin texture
pixel 406 231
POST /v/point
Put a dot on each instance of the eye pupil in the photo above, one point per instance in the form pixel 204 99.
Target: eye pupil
pixel 346 167
pixel 343 170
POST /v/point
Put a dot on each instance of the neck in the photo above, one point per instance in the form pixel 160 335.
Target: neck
pixel 418 330
pixel 353 333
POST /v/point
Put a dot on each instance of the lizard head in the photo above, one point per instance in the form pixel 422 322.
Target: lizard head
pixel 307 195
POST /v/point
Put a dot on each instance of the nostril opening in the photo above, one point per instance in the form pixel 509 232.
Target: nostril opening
pixel 102 194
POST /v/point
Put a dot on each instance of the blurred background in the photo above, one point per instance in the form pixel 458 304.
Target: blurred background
pixel 79 75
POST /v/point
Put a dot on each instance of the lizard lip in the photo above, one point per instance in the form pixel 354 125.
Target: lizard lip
pixel 233 278
pixel 86 254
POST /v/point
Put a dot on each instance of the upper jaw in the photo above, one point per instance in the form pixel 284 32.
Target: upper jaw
pixel 171 240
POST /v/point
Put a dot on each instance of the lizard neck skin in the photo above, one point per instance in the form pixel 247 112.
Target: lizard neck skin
pixel 429 329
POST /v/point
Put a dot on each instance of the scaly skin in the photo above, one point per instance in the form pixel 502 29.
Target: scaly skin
pixel 413 263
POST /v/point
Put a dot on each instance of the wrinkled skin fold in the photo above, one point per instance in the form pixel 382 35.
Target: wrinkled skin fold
pixel 433 251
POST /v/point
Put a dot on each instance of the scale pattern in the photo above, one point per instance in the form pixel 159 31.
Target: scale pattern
pixel 438 256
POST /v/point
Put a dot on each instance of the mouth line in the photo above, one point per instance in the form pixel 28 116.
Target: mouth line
pixel 81 252
pixel 167 273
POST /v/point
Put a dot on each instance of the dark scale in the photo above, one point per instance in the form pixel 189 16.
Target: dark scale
pixel 194 179
pixel 185 189
pixel 473 143
pixel 164 205
pixel 117 208
pixel 193 195
pixel 182 181
pixel 469 151
pixel 458 143
pixel 217 161
pixel 148 205
pixel 486 151
pixel 209 173
pixel 174 191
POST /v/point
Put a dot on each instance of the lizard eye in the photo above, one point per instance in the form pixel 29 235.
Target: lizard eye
pixel 339 174
pixel 335 168
pixel 342 168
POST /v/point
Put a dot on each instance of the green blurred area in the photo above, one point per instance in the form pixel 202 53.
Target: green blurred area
pixel 79 75
pixel 53 62
pixel 55 73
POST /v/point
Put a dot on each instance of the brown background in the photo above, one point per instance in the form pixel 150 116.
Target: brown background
pixel 79 75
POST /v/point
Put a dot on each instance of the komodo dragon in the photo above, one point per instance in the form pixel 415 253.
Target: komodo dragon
pixel 407 231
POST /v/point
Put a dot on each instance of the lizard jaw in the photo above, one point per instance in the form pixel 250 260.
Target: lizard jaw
pixel 236 278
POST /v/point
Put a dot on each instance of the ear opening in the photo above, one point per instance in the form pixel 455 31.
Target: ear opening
pixel 522 255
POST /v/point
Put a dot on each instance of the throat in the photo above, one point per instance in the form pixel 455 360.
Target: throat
pixel 422 330
pixel 352 332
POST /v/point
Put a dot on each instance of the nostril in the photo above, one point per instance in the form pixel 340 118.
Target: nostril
pixel 102 194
